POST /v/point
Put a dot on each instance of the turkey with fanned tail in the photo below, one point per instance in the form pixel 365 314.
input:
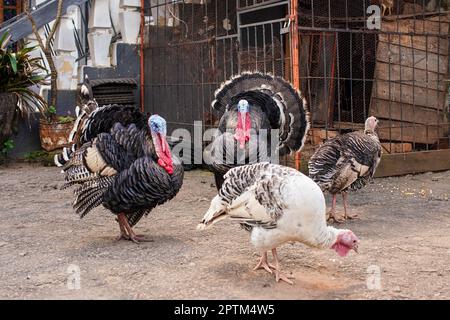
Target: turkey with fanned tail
pixel 124 163
pixel 260 113
pixel 277 204
pixel 346 162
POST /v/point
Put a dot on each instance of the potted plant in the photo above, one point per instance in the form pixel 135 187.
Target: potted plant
pixel 19 71
pixel 54 130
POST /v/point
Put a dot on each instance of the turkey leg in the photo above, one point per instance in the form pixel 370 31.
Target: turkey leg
pixel 125 226
pixel 123 232
pixel 278 275
pixel 332 213
pixel 346 215
pixel 263 264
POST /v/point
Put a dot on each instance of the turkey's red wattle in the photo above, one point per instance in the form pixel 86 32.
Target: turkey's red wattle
pixel 341 249
pixel 164 155
pixel 242 132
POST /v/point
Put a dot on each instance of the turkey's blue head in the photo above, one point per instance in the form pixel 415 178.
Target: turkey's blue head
pixel 157 124
pixel 242 131
pixel 243 105
pixel 158 129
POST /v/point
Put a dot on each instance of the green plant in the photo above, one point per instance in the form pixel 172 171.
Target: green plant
pixel 42 157
pixel 65 119
pixel 50 114
pixel 7 146
pixel 35 155
pixel 18 72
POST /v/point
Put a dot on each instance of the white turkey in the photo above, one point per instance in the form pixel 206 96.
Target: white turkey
pixel 277 204
pixel 252 106
pixel 346 162
pixel 121 160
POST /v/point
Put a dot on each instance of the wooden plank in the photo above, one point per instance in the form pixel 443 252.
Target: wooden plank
pixel 348 125
pixel 409 94
pixel 409 75
pixel 413 162
pixel 396 147
pixel 438 25
pixel 432 44
pixel 385 109
pixel 323 133
pixel 419 59
pixel 408 132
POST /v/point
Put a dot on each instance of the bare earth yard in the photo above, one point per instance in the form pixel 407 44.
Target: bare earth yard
pixel 404 228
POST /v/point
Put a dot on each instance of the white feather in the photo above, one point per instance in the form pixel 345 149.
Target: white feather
pixel 65 154
pixel 72 135
pixel 303 218
pixel 84 90
pixel 56 160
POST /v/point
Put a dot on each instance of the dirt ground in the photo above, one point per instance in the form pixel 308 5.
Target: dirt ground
pixel 404 253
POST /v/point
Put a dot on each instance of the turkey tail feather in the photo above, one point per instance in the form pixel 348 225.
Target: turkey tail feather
pixel 82 116
pixel 90 195
pixel 286 109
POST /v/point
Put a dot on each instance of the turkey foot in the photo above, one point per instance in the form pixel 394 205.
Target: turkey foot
pixel 263 264
pixel 122 236
pixel 127 233
pixel 278 275
pixel 137 238
pixel 351 216
pixel 123 233
pixel 331 215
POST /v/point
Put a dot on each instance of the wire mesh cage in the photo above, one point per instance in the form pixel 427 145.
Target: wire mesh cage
pixel 352 59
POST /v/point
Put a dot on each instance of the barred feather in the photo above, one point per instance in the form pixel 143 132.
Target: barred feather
pixel 346 161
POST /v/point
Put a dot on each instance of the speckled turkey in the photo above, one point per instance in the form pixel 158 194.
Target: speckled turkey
pixel 122 161
pixel 346 162
pixel 276 204
pixel 251 105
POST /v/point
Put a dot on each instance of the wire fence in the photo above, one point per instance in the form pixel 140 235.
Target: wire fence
pixel 386 58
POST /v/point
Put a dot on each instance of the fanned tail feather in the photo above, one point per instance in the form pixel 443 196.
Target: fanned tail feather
pixel 82 114
pixel 287 109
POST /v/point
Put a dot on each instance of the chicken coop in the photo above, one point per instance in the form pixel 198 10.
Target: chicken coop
pixel 350 59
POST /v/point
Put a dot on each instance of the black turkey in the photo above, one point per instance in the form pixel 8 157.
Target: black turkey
pixel 346 162
pixel 252 105
pixel 122 162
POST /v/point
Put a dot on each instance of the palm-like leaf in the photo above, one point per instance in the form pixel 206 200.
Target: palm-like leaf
pixel 18 72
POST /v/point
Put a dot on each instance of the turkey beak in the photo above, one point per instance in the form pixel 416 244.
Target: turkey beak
pixel 355 247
